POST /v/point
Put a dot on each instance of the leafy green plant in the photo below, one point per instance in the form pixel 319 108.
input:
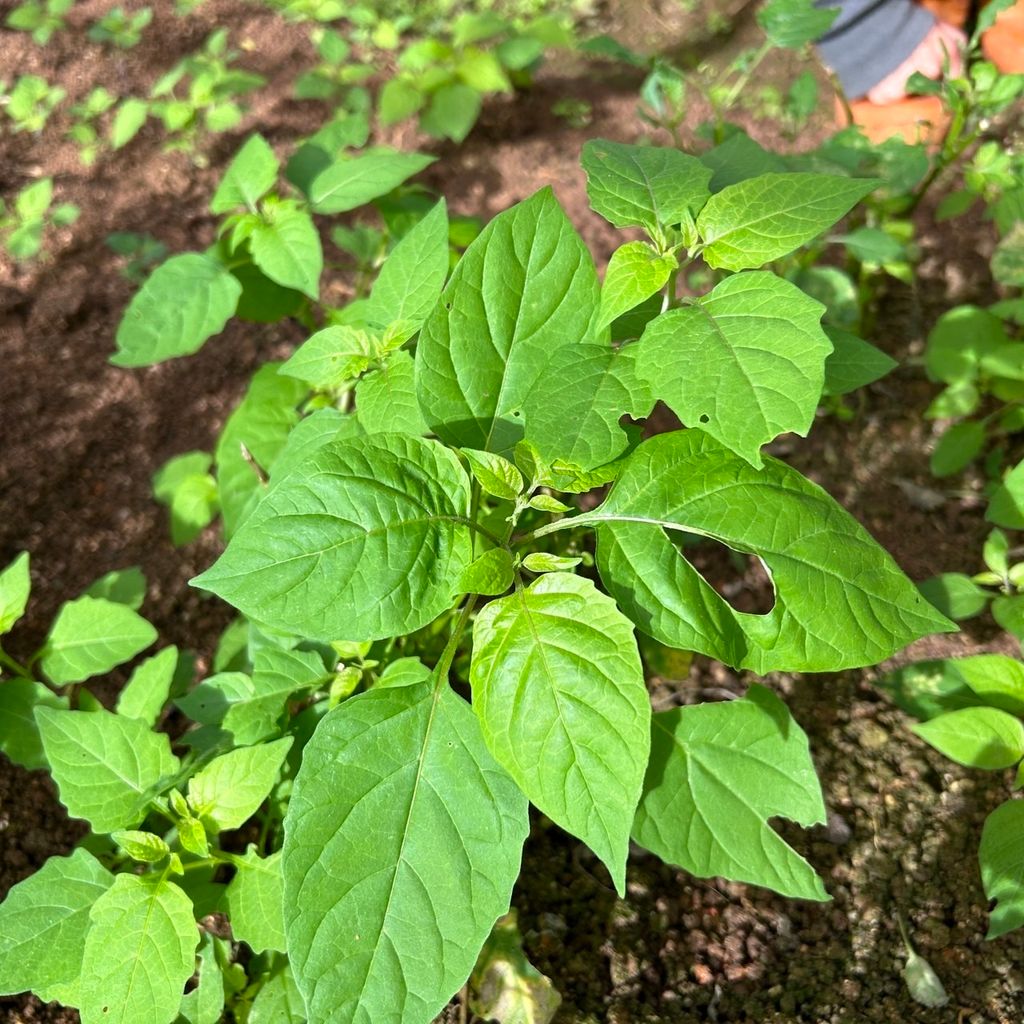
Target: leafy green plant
pixel 30 102
pixel 406 492
pixel 444 83
pixel 119 28
pixel 23 223
pixel 335 78
pixel 40 17
pixel 200 94
pixel 112 928
pixel 84 131
pixel 140 252
pixel 971 711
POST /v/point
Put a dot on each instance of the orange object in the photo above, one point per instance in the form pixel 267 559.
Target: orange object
pixel 1003 43
pixel 914 119
pixel 952 11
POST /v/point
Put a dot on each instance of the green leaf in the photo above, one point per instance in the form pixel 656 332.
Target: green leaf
pixel 853 363
pixel 872 245
pixel 141 846
pixel 19 734
pixel 1006 506
pixel 186 300
pixel 107 767
pixel 286 247
pixel 261 423
pixel 925 689
pixel 15 586
pixel 1001 855
pixel 146 692
pixel 643 186
pixel 205 1003
pixel 958 447
pixel 737 158
pixel 976 737
pixel 996 679
pixel 635 272
pixel 249 177
pixel 402 839
pixel 331 357
pixel 250 708
pixel 185 485
pixel 346 184
pixel 386 399
pixel 364 543
pixel 717 774
pixel 256 902
pixel 816 554
pixel 544 561
pixel 525 287
pixel 572 414
pixel 91 636
pixel 794 23
pixel 278 1001
pixel 959 341
pixel 139 952
pixel 452 112
pixel 398 100
pixel 491 573
pixel 744 363
pixel 559 691
pixel 43 924
pixel 123 586
pixel 228 791
pixel 404 672
pixel 130 117
pixel 760 219
pixel 956 595
pixel 410 281
pixel 495 475
pixel 1008 259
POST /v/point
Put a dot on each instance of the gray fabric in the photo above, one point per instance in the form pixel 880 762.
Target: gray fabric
pixel 870 39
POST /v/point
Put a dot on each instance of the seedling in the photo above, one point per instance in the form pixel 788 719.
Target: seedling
pixel 335 78
pixel 121 29
pixel 212 100
pixel 141 252
pixel 40 17
pixel 971 711
pixel 22 224
pixel 30 102
pixel 84 131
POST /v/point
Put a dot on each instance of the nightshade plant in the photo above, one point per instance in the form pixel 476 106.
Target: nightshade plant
pixel 420 518
pixel 972 710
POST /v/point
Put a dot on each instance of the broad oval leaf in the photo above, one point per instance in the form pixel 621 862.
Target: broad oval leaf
pixel 139 952
pixel 15 586
pixel 744 363
pixel 90 636
pixel 818 556
pixel 760 219
pixel 250 175
pixel 256 902
pixel 559 690
pixel 411 279
pixel 402 844
pixel 345 184
pixel 43 923
pixel 386 398
pixel 635 272
pixel 525 287
pixel 643 186
pixel 1001 855
pixel 718 773
pixel 976 737
pixel 107 767
pixel 286 247
pixel 367 541
pixel 186 300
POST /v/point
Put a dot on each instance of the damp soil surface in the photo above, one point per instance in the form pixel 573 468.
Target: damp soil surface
pixel 81 440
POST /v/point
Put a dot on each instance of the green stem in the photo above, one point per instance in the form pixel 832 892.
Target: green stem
pixel 741 83
pixel 482 530
pixel 14 665
pixel 444 663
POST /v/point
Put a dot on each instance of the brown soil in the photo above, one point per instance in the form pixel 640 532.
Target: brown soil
pixel 81 440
